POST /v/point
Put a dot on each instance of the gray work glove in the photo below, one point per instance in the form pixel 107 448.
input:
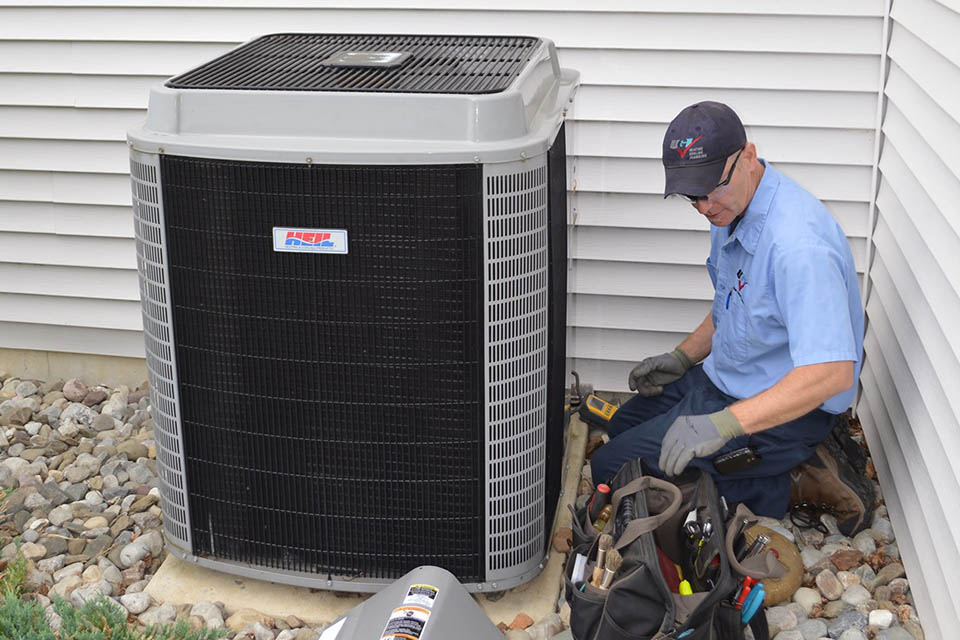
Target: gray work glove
pixel 648 377
pixel 692 437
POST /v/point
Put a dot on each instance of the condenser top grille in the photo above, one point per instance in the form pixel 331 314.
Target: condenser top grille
pixel 373 63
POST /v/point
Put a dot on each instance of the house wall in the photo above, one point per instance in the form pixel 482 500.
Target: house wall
pixel 75 75
pixel 910 403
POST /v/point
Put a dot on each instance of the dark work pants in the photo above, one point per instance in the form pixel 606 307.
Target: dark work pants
pixel 638 427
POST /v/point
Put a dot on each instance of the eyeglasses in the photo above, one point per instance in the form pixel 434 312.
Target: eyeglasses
pixel 720 185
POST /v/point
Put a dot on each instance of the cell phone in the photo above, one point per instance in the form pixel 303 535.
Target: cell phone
pixel 736 460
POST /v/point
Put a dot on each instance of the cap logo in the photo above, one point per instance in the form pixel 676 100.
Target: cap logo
pixel 684 145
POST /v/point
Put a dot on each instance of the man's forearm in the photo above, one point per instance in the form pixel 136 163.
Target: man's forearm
pixel 800 391
pixel 698 344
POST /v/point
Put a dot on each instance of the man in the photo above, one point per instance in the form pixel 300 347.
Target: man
pixel 781 347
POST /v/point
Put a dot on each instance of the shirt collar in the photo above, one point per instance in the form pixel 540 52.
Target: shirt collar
pixel 749 228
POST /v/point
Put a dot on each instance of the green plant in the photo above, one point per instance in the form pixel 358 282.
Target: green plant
pixel 98 619
pixel 22 620
pixel 101 619
pixel 11 580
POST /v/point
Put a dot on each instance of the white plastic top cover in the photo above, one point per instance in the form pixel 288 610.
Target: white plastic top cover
pixel 364 100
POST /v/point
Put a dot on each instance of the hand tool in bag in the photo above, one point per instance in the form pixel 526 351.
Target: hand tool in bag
pixel 694 538
pixel 579 568
pixel 625 513
pixel 604 543
pixel 744 592
pixel 753 603
pixel 739 540
pixel 600 499
pixel 755 547
pixel 611 565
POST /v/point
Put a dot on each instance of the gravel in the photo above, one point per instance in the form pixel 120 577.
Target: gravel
pixel 80 459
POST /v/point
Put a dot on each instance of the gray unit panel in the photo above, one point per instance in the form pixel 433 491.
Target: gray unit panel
pixel 515 206
pixel 158 339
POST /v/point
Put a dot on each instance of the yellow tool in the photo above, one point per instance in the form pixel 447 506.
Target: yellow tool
pixel 596 411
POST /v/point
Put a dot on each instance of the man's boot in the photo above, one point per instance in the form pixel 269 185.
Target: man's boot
pixel 830 482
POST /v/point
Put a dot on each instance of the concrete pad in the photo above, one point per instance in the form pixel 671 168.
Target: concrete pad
pixel 179 582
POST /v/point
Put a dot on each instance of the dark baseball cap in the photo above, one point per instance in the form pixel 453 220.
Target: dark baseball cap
pixel 696 147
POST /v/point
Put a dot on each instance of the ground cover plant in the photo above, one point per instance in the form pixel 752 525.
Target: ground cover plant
pixel 98 619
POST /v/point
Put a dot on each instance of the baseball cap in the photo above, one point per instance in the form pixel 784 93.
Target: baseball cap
pixel 696 147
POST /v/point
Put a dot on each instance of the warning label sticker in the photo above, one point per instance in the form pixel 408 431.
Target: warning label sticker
pixel 406 623
pixel 422 594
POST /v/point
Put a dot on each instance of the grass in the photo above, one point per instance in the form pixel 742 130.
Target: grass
pixel 99 619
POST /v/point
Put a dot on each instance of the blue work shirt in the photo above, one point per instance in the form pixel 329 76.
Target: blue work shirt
pixel 786 293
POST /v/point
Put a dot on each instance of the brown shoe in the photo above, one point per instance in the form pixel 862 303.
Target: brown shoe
pixel 828 482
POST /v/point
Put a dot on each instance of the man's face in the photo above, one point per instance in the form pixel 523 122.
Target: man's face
pixel 725 203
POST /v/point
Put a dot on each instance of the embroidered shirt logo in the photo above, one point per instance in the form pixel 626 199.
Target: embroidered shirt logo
pixel 741 283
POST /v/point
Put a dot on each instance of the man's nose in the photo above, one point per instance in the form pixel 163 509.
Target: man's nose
pixel 703 206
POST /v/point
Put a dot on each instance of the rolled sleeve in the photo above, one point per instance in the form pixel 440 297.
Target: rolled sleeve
pixel 811 291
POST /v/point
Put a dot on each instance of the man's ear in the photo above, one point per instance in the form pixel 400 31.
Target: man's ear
pixel 750 152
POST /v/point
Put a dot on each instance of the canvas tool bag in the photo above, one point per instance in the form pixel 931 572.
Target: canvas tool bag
pixel 639 605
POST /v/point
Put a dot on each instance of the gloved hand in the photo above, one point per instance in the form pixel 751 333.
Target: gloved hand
pixel 648 377
pixel 692 437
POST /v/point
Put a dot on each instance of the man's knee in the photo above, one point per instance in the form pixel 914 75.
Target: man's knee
pixel 607 460
pixel 620 422
pixel 604 464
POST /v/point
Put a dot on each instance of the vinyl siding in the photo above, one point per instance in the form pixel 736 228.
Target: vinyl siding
pixel 910 403
pixel 75 75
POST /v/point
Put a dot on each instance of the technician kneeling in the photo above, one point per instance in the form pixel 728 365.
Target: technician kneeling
pixel 780 349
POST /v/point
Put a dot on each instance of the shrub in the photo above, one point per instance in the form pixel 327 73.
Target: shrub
pixel 11 580
pixel 98 619
pixel 23 620
pixel 103 619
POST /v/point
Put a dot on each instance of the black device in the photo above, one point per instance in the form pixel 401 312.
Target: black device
pixel 736 460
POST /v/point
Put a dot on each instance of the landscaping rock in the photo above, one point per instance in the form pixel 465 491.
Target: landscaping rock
pixel 212 618
pixel 74 390
pixel 780 619
pixel 158 615
pixel 881 618
pixel 812 629
pixel 244 617
pixel 136 603
pixel 829 585
pixel 889 573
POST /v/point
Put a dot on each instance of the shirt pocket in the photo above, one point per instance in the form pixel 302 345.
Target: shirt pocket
pixel 737 320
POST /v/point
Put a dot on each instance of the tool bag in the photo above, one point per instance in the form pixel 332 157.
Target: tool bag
pixel 639 604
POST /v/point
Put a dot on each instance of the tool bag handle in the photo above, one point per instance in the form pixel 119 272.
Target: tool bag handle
pixel 640 526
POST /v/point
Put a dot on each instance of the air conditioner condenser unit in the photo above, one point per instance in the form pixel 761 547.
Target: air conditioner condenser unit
pixel 352 259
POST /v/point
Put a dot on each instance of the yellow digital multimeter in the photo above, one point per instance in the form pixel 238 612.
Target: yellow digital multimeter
pixel 597 411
